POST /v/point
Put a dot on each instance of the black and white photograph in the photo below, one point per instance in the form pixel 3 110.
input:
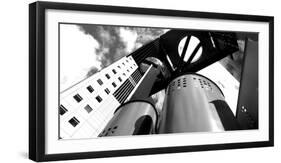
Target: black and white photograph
pixel 124 81
pixel 110 81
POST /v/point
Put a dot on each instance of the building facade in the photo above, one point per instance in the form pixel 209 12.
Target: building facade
pixel 86 107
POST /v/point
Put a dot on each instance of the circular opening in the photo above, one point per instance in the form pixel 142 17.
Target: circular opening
pixel 193 42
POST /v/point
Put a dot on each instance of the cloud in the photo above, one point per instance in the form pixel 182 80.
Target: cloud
pixel 129 37
pixel 146 35
pixel 86 49
pixel 112 47
pixel 77 55
pixel 92 71
pixel 116 42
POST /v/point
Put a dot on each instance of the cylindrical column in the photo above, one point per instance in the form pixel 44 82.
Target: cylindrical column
pixel 194 104
pixel 137 117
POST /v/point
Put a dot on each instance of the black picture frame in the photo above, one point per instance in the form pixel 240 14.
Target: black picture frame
pixel 37 80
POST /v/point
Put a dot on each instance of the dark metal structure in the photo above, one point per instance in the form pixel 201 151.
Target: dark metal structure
pixel 215 46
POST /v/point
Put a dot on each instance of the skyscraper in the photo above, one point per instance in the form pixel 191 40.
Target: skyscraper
pixel 86 107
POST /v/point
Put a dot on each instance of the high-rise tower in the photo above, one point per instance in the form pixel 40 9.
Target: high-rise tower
pixel 86 107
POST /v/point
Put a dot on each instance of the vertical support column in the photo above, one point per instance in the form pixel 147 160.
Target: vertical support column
pixel 145 86
pixel 136 117
pixel 247 108
pixel 195 104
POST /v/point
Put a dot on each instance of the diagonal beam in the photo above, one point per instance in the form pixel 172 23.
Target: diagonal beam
pixel 193 53
pixel 181 61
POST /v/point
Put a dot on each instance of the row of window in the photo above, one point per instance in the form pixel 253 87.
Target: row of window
pixel 114 71
pixel 88 108
pixel 78 98
pixel 74 121
pixel 108 77
pixel 91 89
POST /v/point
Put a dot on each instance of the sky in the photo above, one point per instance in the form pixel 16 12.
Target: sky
pixel 86 49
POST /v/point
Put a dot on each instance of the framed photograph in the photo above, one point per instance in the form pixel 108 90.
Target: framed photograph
pixel 111 81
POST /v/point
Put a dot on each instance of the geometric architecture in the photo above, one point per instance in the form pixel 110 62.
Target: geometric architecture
pixel 118 99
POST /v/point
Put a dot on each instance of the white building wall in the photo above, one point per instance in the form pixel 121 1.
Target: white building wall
pixel 93 119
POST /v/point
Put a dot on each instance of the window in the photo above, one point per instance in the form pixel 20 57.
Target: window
pixel 123 63
pixel 119 78
pixel 88 108
pixel 114 85
pixel 90 89
pixel 131 67
pixel 62 110
pixel 74 121
pixel 114 71
pixel 78 98
pixel 119 67
pixel 107 76
pixel 134 64
pixel 193 46
pixel 99 81
pixel 128 70
pixel 124 74
pixel 107 90
pixel 127 61
pixel 98 98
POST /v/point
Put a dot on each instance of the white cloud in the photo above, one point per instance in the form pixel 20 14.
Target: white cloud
pixel 129 37
pixel 77 55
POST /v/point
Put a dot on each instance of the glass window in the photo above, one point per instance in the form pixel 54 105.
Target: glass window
pixel 107 76
pixel 74 121
pixel 62 110
pixel 114 85
pixel 88 108
pixel 100 81
pixel 98 98
pixel 114 71
pixel 78 98
pixel 107 90
pixel 90 89
pixel 119 78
